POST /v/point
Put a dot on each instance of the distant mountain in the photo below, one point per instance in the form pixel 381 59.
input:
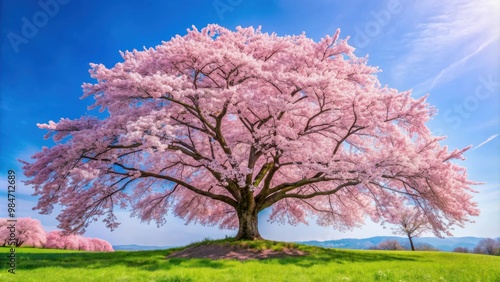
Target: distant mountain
pixel 445 244
pixel 139 248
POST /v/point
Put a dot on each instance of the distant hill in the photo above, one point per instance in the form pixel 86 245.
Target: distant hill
pixel 139 248
pixel 445 244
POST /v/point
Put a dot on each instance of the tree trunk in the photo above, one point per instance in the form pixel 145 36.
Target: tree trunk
pixel 411 243
pixel 249 227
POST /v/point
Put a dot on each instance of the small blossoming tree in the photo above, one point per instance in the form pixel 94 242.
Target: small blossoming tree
pixel 27 232
pixel 411 223
pixel 59 240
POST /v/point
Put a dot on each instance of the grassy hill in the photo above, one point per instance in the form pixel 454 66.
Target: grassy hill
pixel 319 265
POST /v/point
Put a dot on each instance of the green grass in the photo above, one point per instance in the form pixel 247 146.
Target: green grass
pixel 319 265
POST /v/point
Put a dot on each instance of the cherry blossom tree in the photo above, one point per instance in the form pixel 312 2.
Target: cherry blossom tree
pixel 218 125
pixel 60 240
pixel 71 241
pixel 4 232
pixel 55 240
pixel 28 232
pixel 84 244
pixel 411 223
pixel 99 245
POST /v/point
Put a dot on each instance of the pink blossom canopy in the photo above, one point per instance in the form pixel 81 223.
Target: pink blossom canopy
pixel 28 232
pixel 217 122
pixel 57 240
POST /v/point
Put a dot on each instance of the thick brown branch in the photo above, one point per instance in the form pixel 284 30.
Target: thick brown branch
pixel 282 195
pixel 288 186
pixel 188 186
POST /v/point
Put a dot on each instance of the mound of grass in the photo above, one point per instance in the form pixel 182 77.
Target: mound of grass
pixel 240 250
pixel 319 265
pixel 255 244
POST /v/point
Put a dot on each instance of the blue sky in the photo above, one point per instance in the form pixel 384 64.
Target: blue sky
pixel 448 49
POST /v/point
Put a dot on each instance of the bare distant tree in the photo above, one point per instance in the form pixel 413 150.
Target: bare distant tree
pixel 426 247
pixel 488 246
pixel 391 245
pixel 461 250
pixel 411 223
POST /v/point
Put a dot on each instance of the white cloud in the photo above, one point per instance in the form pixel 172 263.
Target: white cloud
pixel 487 125
pixel 451 33
pixel 454 69
pixel 486 141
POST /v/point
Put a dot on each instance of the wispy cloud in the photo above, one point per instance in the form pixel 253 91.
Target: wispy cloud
pixel 487 125
pixel 448 35
pixel 486 141
pixel 453 69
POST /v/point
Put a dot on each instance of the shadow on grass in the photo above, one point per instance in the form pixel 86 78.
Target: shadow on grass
pixel 155 260
pixel 323 256
pixel 142 260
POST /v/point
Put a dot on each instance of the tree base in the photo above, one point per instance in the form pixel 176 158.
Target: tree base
pixel 249 238
pixel 249 227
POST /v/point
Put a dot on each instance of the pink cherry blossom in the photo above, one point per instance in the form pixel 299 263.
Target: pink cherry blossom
pixel 59 240
pixel 28 232
pixel 219 125
pixel 54 240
